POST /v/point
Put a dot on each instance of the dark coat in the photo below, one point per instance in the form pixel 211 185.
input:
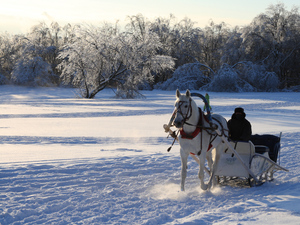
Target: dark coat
pixel 239 128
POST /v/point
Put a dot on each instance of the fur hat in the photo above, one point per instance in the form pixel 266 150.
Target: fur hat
pixel 239 110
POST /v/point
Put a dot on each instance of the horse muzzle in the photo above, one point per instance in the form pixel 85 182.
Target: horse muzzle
pixel 178 123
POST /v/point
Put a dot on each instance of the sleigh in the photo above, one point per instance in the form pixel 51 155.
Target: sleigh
pixel 200 134
pixel 255 161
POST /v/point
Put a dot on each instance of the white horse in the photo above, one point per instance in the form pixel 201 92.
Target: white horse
pixel 197 137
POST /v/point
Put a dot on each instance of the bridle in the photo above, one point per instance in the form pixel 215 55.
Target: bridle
pixel 189 112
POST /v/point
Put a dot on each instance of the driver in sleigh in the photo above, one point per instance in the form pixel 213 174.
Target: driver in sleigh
pixel 239 127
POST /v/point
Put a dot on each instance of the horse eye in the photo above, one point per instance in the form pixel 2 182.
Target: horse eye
pixel 185 106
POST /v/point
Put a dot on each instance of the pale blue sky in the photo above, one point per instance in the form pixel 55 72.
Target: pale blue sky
pixel 18 16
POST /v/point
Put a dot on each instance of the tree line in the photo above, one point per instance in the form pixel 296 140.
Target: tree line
pixel 145 53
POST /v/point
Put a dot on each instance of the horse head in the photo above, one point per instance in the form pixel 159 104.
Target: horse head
pixel 185 108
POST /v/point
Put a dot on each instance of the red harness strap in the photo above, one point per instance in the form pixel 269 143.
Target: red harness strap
pixel 196 132
pixel 190 136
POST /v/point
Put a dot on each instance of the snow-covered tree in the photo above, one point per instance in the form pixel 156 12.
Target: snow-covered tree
pixel 227 80
pixel 215 36
pixel 38 56
pixel 99 56
pixel 188 42
pixel 232 51
pixel 32 71
pixel 47 41
pixel 10 46
pixel 189 76
pixel 273 39
pixel 142 54
pixel 85 59
pixel 181 40
pixel 257 76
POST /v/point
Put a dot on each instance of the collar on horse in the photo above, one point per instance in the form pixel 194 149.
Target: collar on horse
pixel 198 129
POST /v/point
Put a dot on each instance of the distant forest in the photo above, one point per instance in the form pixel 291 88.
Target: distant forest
pixel 160 54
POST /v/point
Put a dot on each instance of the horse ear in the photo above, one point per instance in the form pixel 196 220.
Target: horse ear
pixel 177 93
pixel 188 93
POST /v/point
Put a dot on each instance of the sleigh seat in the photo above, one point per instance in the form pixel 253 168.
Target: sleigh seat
pixel 271 142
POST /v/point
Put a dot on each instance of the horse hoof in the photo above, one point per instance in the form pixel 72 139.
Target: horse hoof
pixel 204 187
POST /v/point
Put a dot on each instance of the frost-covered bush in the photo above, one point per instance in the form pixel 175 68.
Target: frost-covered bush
pixel 269 81
pixel 227 80
pixel 128 90
pixel 128 94
pixel 294 89
pixel 188 76
pixel 258 76
pixel 32 72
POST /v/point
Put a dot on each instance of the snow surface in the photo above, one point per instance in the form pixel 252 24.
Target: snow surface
pixel 67 160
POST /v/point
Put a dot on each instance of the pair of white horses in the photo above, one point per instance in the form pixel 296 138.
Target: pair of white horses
pixel 197 138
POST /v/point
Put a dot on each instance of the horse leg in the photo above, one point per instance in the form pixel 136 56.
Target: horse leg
pixel 215 158
pixel 184 158
pixel 201 172
pixel 210 156
pixel 211 181
pixel 209 160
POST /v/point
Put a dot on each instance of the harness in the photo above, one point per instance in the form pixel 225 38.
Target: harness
pixel 199 128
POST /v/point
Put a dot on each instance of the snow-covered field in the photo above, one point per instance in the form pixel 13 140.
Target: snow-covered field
pixel 66 160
